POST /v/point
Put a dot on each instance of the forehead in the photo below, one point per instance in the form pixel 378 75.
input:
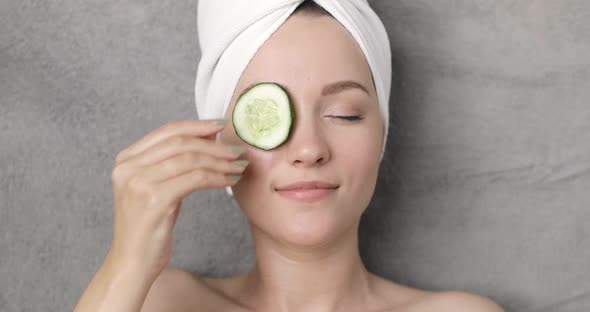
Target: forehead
pixel 307 52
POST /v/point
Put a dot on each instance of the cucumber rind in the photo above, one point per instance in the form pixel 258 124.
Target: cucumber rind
pixel 274 97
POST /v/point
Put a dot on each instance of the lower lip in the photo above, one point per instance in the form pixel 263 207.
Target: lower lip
pixel 308 194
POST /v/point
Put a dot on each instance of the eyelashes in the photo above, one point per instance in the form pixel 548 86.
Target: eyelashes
pixel 349 118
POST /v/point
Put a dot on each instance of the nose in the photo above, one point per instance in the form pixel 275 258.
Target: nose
pixel 307 145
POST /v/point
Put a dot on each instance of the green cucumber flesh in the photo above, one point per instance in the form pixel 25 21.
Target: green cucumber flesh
pixel 262 117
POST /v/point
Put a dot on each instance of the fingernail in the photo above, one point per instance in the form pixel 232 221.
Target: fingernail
pixel 234 177
pixel 220 122
pixel 236 149
pixel 241 162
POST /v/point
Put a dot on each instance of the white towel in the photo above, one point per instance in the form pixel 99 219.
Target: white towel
pixel 231 31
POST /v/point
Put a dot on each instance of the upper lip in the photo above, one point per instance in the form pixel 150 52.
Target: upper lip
pixel 307 185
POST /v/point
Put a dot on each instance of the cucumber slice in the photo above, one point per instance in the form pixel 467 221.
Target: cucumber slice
pixel 262 117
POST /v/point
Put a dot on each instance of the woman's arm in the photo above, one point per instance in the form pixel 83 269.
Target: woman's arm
pixel 115 288
pixel 150 179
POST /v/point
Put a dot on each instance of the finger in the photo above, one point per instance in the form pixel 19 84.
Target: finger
pixel 187 162
pixel 198 128
pixel 183 185
pixel 177 145
pixel 211 137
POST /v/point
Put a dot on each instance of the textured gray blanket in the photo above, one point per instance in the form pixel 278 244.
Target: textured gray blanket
pixel 485 187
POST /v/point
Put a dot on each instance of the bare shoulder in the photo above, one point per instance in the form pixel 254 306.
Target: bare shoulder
pixel 456 301
pixel 177 290
pixel 402 298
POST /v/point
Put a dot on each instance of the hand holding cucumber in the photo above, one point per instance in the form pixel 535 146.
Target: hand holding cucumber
pixel 151 177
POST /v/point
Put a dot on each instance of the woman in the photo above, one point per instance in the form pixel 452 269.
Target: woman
pixel 307 256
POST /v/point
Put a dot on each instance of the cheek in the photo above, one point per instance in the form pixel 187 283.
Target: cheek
pixel 229 136
pixel 261 163
pixel 360 143
pixel 255 181
pixel 358 153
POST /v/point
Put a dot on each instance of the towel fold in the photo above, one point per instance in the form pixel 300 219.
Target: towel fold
pixel 231 31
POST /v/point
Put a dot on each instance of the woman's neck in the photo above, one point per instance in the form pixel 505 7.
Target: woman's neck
pixel 319 278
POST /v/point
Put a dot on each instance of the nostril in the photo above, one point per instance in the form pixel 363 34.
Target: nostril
pixel 308 154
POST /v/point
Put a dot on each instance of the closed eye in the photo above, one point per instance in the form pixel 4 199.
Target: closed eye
pixel 351 118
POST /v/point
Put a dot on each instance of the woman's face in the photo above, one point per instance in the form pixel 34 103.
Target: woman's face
pixel 306 55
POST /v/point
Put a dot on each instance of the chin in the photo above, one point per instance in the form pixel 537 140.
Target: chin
pixel 308 227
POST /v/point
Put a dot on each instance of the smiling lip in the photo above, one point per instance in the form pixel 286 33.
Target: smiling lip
pixel 308 191
pixel 308 185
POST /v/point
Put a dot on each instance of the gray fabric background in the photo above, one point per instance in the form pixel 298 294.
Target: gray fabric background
pixel 485 187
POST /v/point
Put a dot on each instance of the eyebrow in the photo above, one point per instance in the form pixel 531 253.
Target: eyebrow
pixel 329 89
pixel 340 86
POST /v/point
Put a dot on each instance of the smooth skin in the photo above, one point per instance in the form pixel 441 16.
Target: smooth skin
pixel 307 256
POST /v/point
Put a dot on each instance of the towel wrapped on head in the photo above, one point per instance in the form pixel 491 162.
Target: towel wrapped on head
pixel 231 31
